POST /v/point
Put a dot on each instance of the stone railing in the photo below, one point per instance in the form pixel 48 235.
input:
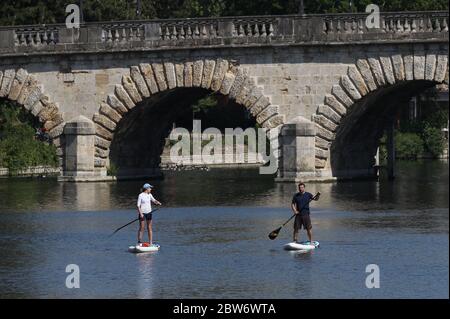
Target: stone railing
pixel 226 31
pixel 392 25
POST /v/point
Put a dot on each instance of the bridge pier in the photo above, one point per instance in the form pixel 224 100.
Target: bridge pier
pixel 297 161
pixel 79 152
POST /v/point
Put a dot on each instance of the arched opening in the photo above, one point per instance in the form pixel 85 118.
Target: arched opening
pixel 141 137
pixel 133 123
pixel 353 153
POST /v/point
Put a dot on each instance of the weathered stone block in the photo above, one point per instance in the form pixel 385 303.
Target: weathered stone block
pixel 332 101
pixel 102 132
pixel 343 98
pixel 408 61
pixel 329 113
pixel 17 84
pixel 170 75
pixel 441 68
pixel 377 71
pixel 219 74
pixel 358 80
pixel 399 68
pixel 208 69
pixel 320 163
pixel 115 103
pixel 227 83
pixel 48 112
pixel 366 73
pixel 238 83
pixel 139 81
pixel 149 77
pixel 266 114
pixel 131 89
pixel 419 67
pixel 56 131
pixel 197 73
pixel 123 96
pixel 253 96
pixel 179 74
pixel 322 143
pixel 326 123
pixel 388 69
pixel 33 96
pixel 274 121
pixel 107 110
pixel 158 69
pixel 188 74
pixel 347 84
pixel 430 67
pixel 102 143
pixel 104 121
pixel 37 107
pixel 260 105
pixel 8 77
pixel 324 133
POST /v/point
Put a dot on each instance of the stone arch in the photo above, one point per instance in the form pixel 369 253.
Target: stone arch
pixel 364 79
pixel 24 89
pixel 148 79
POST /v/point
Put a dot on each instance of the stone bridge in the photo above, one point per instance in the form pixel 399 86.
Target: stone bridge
pixel 109 92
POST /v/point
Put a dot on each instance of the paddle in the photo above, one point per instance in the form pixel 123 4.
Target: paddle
pixel 129 223
pixel 275 233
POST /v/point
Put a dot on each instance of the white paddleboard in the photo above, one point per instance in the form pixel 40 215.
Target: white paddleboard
pixel 306 245
pixel 143 248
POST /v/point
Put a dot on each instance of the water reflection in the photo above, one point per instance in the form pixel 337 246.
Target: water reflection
pixel 145 275
pixel 419 185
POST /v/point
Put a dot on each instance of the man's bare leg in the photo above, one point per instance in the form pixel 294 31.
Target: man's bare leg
pixel 295 235
pixel 309 231
pixel 150 232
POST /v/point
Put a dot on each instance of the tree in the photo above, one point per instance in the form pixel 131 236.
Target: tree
pixel 19 12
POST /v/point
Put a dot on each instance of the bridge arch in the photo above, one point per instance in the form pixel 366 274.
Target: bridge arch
pixel 353 116
pixel 157 80
pixel 24 89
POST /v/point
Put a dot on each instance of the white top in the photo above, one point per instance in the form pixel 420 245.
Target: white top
pixel 144 202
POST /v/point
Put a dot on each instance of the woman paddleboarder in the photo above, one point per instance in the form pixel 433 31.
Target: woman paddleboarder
pixel 144 204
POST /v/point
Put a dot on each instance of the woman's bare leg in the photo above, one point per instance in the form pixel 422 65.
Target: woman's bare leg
pixel 141 230
pixel 150 233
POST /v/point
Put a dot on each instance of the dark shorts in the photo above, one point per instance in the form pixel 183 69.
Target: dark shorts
pixel 302 221
pixel 147 217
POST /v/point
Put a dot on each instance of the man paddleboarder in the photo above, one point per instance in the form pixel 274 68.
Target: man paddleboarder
pixel 144 204
pixel 300 207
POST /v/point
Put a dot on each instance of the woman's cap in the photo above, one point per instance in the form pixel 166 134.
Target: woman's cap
pixel 147 186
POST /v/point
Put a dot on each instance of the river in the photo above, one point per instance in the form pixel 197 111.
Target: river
pixel 213 233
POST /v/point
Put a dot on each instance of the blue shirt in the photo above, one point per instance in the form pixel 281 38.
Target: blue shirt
pixel 302 202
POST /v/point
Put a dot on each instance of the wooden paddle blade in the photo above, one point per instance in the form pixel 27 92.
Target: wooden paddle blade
pixel 274 234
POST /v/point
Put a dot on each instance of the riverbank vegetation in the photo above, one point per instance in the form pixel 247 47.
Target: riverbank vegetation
pixel 19 12
pixel 19 146
pixel 422 137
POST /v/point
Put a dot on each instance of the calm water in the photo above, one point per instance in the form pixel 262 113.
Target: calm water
pixel 213 232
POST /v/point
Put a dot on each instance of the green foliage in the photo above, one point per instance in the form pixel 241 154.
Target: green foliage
pixel 112 170
pixel 433 140
pixel 204 104
pixel 408 145
pixel 18 147
pixel 17 12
